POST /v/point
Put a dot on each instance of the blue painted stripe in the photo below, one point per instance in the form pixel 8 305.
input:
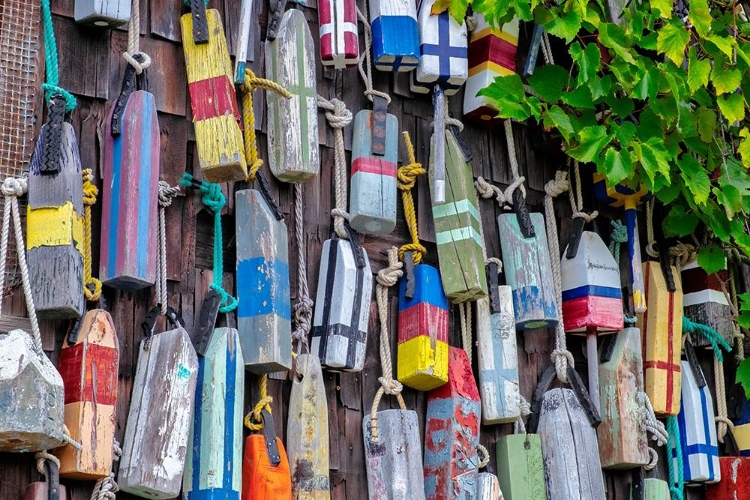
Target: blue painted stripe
pixel 258 294
pixel 427 288
pixel 444 50
pixel 114 214
pixel 229 423
pixel 592 290
pixel 687 473
pixel 144 188
pixel 395 37
pixel 710 450
pixel 214 494
pixel 198 426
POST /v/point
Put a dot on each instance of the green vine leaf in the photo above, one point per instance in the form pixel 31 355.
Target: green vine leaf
pixel 617 165
pixel 555 118
pixel 654 159
pixel 588 61
pixel 592 141
pixel 724 44
pixel 725 80
pixel 700 17
pixel 695 178
pixel 565 26
pixel 744 148
pixel 732 107
pixel 614 37
pixel 680 223
pixel 664 7
pixel 712 259
pixel 548 82
pixel 672 40
pixel 509 95
pixel 707 122
pixel 698 71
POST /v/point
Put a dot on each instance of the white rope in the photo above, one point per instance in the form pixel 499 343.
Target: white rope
pixel 518 180
pixel 43 456
pixel 519 427
pixel 464 311
pixel 338 117
pixel 721 402
pixel 69 440
pixel 303 309
pixel 547 48
pixel 106 487
pixel 561 356
pixel 653 426
pixel 134 28
pixel 12 188
pixel 576 201
pixel 365 63
pixel 651 249
pixel 167 193
pixel 483 455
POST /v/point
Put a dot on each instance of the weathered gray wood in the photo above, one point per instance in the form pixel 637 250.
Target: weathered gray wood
pixel 102 13
pixel 520 467
pixel 569 448
pixel 656 489
pixel 488 487
pixel 31 396
pixel 161 414
pixel 394 463
pixel 705 302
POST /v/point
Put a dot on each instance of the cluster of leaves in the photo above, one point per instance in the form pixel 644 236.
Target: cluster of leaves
pixel 657 98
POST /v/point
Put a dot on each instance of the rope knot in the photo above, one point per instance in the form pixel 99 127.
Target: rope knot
pixel 619 232
pixel 407 175
pixel 167 193
pixel 496 261
pixel 390 275
pixel 303 311
pixel 90 191
pixel 13 186
pixel 516 184
pixel 587 217
pixel 682 253
pixel 337 114
pixel 391 386
pixel 558 185
pixel 418 252
pixel 133 61
pixel 213 198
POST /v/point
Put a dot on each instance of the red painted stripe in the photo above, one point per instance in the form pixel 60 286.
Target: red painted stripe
pixel 461 383
pixel 602 312
pixel 324 12
pixel 662 365
pixel 326 47
pixel 697 280
pixel 100 384
pixel 670 353
pixel 351 45
pixel 213 97
pixel 350 12
pixel 372 165
pixel 422 319
pixel 494 49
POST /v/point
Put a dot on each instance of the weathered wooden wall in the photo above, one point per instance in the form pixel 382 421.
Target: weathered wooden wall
pixel 91 67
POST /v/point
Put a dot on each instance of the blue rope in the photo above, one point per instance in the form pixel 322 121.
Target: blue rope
pixel 707 333
pixel 186 3
pixel 214 200
pixel 619 235
pixel 52 66
pixel 676 474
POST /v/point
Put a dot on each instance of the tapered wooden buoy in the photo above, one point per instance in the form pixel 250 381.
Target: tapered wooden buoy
pixel 264 312
pixel 54 229
pixel 395 35
pixel 290 62
pixel 213 466
pixel 488 487
pixel 31 395
pixel 735 480
pixel 704 300
pixel 422 353
pixel 102 13
pixel 89 371
pixel 262 478
pixel 452 433
pixel 394 462
pixel 520 467
pixel 339 36
pixel 50 489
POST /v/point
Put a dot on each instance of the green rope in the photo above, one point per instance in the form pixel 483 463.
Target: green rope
pixel 708 334
pixel 52 85
pixel 619 235
pixel 186 3
pixel 214 200
pixel 676 471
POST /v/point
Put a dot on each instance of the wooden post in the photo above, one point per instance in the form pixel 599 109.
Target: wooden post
pixel 261 478
pixel 339 36
pixel 394 462
pixel 735 480
pixel 290 62
pixel 130 189
pixel 661 327
pixel 656 489
pixel 372 204
pixel 457 230
pixel 342 307
pixel 395 35
pixel 218 135
pixel 569 448
pixel 89 370
pixel 498 359
pixel 452 433
pixel 622 439
pixel 31 395
pixel 158 428
pixel 704 301
pixel 214 454
pixel 264 311
pixel 307 431
pixel 54 230
pixel 520 467
pixel 102 13
pixel 700 451
pixel 488 487
pixel 528 271
pixel 443 52
pixel 492 54
pixel 422 357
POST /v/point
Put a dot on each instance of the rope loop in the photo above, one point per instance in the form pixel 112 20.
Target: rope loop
pixel 576 199
pixel 303 309
pixel 337 114
pixel 254 420
pixel 365 63
pixel 682 253
pixel 487 190
pixel 138 66
pixel 167 194
pixel 52 90
pixel 43 456
pixel 483 455
pixel 406 180
pixel 338 117
pixel 519 427
pixel 708 334
pixel 92 287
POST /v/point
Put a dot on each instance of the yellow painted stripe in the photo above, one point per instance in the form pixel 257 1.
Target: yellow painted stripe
pixel 210 59
pixel 53 227
pixel 500 34
pixel 491 66
pixel 419 366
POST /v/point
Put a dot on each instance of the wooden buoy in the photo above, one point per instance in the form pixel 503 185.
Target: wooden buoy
pixel 569 448
pixel 422 353
pixel 492 54
pixel 102 13
pixel 372 204
pixel 243 40
pixel 307 431
pixel 700 451
pixel 263 477
pixel 130 189
pixel 394 462
pixel 498 358
pixel 50 489
pixel 520 467
pixel 452 433
pixel 742 430
pixel 31 396
pixel 735 480
pixel 528 271
pixel 656 489
pixel 159 421
pixel 264 309
pixel 213 467
pixel 457 227
pixel 443 47
pixel 622 439
pixel 395 35
pixel 339 36
pixel 342 306
pixel 218 134
pixel 488 487
pixel 704 300
pixel 290 62
pixel 89 370
pixel 54 230
pixel 661 327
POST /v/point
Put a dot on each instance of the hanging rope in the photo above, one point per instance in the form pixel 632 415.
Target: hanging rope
pixel 167 193
pixel 576 200
pixel 254 420
pixel 483 455
pixel 651 249
pixel 52 85
pixel 43 456
pixel 676 470
pixel 407 178
pixel 106 487
pixel 618 237
pixel 652 425
pixel 487 190
pixel 706 333
pixel 464 312
pixel 386 278
pixel 365 62
pixel 250 85
pixel 92 287
pixel 519 427
pixel 547 48
pixel 561 356
pixel 721 402
pixel 134 27
pixel 682 253
pixel 214 200
pixel 518 179
pixel 338 117
pixel 739 337
pixel 303 309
